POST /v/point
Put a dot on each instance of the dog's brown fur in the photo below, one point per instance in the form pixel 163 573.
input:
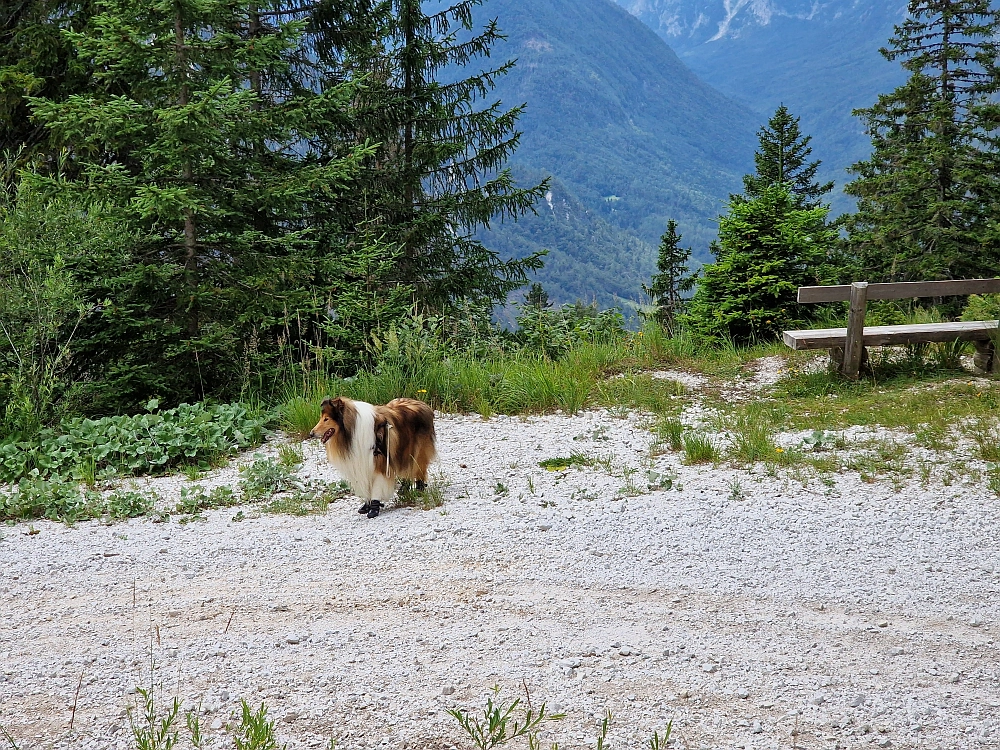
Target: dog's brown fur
pixel 404 438
pixel 404 435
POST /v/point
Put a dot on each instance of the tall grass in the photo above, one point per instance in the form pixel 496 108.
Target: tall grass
pixel 751 435
pixel 520 381
pixel 514 384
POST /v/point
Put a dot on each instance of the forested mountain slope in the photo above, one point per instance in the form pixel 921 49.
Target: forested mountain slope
pixel 630 135
pixel 820 59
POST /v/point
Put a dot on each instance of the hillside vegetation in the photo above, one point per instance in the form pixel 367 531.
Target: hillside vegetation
pixel 630 135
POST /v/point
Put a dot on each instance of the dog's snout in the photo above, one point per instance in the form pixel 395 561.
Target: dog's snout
pixel 311 434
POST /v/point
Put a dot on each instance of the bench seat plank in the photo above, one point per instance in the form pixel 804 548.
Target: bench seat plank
pixel 829 338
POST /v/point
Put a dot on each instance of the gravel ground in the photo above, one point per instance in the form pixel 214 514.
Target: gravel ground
pixel 849 614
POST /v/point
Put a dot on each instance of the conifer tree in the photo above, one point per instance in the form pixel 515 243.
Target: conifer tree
pixel 671 280
pixel 536 297
pixel 438 173
pixel 782 159
pixel 183 130
pixel 928 195
pixel 768 247
pixel 37 59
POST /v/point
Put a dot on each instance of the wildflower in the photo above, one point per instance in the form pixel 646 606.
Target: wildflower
pixel 779 450
pixel 421 390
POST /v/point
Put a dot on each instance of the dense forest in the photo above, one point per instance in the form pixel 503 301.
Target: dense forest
pixel 204 200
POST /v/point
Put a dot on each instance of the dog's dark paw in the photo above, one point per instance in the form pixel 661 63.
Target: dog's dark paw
pixel 365 508
pixel 421 485
pixel 375 507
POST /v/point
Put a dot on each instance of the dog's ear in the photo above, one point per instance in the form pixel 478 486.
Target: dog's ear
pixel 332 407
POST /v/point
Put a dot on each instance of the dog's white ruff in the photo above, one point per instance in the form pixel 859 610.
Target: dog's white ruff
pixel 358 466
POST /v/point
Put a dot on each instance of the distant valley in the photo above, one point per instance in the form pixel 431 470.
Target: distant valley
pixel 633 134
pixel 820 59
pixel 629 135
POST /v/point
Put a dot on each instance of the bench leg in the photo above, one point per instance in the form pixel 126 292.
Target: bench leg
pixel 985 360
pixel 854 347
pixel 836 362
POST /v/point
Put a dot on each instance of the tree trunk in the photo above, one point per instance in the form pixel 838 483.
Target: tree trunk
pixel 187 172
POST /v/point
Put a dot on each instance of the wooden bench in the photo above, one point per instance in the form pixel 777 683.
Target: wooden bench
pixel 847 345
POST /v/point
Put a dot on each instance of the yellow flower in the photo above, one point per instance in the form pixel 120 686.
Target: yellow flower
pixel 422 390
pixel 779 450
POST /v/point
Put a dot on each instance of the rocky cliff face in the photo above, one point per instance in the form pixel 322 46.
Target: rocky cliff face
pixel 688 23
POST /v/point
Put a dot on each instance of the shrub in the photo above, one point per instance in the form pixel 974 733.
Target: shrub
pixel 554 331
pixel 44 305
pixel 982 307
pixel 132 445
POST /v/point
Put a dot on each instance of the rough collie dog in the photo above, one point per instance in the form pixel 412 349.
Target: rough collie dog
pixel 373 446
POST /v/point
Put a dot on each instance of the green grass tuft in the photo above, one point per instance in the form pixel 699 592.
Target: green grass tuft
pixel 699 449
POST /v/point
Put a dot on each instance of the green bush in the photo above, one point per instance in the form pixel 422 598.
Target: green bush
pixel 132 445
pixel 768 247
pixel 44 305
pixel 554 331
pixel 982 307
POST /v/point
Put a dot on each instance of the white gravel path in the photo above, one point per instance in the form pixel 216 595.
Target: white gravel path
pixel 859 615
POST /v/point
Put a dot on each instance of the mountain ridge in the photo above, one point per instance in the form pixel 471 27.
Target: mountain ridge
pixel 821 60
pixel 630 134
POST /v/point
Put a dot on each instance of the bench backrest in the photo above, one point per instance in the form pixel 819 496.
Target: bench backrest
pixel 902 290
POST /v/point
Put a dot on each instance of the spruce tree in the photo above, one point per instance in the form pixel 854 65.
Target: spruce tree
pixel 37 59
pixel 536 297
pixel 438 174
pixel 671 280
pixel 928 195
pixel 768 247
pixel 184 131
pixel 782 159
